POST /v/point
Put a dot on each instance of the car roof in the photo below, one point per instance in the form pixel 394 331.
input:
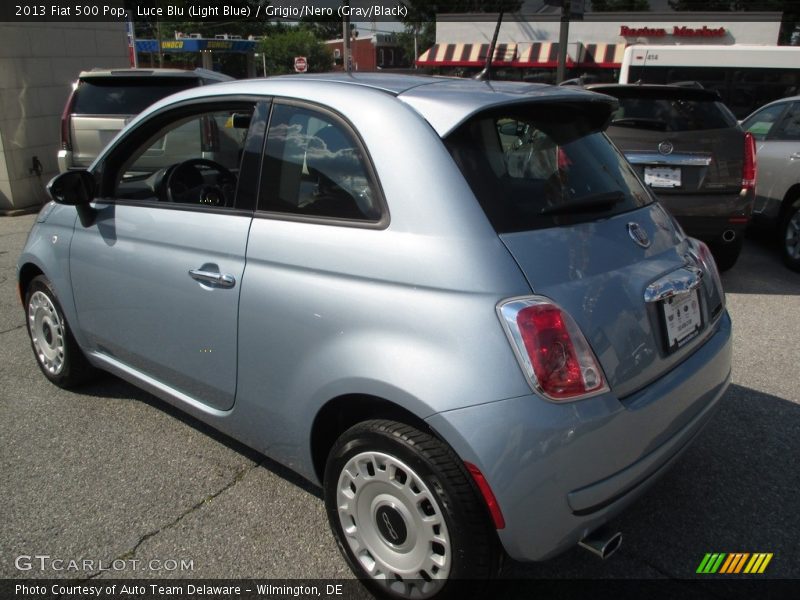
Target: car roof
pixel 444 102
pixel 193 74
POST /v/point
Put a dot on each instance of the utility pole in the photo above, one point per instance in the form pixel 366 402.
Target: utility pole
pixel 563 39
pixel 160 47
pixel 347 60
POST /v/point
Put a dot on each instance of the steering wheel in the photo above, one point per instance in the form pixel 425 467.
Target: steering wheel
pixel 184 182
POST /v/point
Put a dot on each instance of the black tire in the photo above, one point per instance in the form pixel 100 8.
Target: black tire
pixel 727 253
pixel 57 353
pixel 422 462
pixel 789 236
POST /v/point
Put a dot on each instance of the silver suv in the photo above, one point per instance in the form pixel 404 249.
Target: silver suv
pixel 104 100
pixel 776 128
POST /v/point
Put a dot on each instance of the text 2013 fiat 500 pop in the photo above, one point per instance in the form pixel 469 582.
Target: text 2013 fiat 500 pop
pixel 451 303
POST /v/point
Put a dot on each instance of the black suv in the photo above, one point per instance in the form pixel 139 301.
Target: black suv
pixel 689 148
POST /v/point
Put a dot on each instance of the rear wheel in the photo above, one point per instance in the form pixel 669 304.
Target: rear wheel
pixel 406 514
pixel 789 236
pixel 57 353
pixel 726 253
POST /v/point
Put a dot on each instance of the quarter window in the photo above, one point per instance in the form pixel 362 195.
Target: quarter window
pixel 314 167
pixel 761 123
pixel 790 125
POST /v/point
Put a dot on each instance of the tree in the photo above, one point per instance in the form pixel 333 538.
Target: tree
pixel 425 33
pixel 280 48
pixel 329 28
pixel 620 5
pixel 421 11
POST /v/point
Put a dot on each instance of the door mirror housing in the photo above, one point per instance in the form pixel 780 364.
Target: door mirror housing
pixel 75 188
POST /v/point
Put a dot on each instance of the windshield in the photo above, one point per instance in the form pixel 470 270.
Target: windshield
pixel 542 169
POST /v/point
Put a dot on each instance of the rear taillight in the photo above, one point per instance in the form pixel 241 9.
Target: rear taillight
pixel 551 349
pixel 704 258
pixel 749 167
pixel 66 121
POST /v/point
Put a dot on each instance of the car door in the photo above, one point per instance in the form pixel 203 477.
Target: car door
pixel 157 266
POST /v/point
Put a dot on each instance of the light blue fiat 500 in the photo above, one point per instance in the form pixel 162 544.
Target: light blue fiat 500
pixel 451 303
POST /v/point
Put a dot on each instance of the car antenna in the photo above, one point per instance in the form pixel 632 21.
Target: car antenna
pixel 486 73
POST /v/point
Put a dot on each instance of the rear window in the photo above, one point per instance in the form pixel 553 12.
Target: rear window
pixel 125 95
pixel 538 168
pixel 679 110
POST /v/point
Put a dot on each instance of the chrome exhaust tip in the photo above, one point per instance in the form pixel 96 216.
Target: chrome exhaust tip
pixel 602 542
pixel 728 235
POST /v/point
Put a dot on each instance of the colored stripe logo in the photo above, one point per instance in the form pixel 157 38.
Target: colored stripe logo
pixel 734 563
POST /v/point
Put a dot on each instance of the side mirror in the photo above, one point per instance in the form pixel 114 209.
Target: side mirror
pixel 75 188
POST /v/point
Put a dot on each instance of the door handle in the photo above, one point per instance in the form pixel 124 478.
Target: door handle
pixel 795 156
pixel 212 278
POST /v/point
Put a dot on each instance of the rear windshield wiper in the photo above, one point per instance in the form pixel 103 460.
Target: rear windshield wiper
pixel 590 203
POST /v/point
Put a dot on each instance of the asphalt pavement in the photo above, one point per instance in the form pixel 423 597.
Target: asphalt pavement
pixel 108 472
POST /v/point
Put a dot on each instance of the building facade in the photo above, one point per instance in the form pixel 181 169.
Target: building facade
pixel 38 64
pixel 528 43
pixel 370 53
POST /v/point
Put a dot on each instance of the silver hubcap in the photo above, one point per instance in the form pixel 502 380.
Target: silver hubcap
pixel 47 332
pixel 394 525
pixel 792 240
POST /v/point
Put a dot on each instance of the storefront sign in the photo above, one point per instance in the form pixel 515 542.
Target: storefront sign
pixel 677 31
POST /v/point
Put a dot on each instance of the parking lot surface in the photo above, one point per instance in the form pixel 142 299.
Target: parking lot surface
pixel 109 472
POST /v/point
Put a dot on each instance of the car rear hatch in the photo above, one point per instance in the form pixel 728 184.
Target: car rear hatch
pixel 588 236
pixel 103 105
pixel 679 140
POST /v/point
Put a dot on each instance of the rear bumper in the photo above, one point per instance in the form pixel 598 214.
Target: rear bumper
pixel 708 216
pixel 559 471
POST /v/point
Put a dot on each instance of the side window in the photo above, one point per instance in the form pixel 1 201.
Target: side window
pixel 789 128
pixel 314 167
pixel 761 123
pixel 194 160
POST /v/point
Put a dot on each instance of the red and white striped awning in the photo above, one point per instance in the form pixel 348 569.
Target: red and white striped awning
pixel 540 54
pixel 466 55
pixel 602 55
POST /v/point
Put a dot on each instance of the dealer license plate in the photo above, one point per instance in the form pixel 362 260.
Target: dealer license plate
pixel 662 177
pixel 682 318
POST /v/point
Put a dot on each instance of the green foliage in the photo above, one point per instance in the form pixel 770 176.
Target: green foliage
pixel 280 48
pixel 420 11
pixel 620 5
pixel 426 37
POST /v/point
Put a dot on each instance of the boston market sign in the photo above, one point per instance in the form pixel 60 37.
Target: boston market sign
pixel 677 31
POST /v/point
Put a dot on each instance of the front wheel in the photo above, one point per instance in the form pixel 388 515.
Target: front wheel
pixel 57 353
pixel 406 514
pixel 790 236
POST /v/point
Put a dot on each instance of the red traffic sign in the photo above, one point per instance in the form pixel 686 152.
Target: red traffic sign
pixel 300 64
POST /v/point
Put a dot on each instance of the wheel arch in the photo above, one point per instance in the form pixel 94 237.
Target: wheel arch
pixel 27 272
pixel 339 414
pixel 791 196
